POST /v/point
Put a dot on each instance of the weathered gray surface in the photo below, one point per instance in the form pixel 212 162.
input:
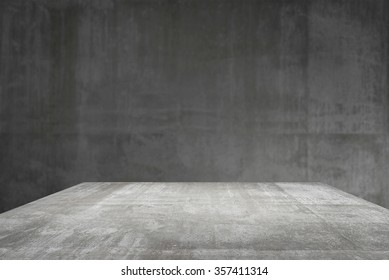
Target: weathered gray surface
pixel 193 90
pixel 196 221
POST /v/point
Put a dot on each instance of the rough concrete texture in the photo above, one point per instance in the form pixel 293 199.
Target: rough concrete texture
pixel 193 90
pixel 196 221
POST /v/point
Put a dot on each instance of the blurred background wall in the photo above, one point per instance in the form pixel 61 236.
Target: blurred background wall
pixel 192 90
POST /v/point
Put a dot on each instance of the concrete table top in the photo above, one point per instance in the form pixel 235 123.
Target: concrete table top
pixel 196 221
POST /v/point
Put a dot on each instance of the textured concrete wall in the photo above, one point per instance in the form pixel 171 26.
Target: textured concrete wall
pixel 193 91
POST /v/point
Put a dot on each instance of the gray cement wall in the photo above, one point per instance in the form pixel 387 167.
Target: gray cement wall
pixel 193 91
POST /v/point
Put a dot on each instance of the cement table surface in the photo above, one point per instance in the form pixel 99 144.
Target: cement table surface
pixel 196 221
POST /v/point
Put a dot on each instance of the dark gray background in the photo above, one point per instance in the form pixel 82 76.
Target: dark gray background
pixel 193 91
